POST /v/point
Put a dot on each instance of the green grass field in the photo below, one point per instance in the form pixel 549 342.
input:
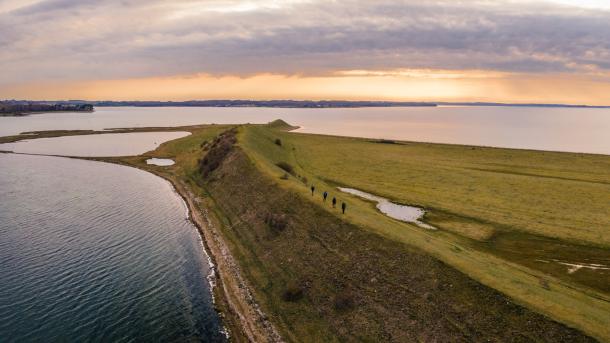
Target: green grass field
pixel 501 197
pixel 473 191
pixel 500 212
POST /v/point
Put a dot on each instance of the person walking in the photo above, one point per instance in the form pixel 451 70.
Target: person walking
pixel 343 206
pixel 313 188
pixel 334 202
pixel 325 195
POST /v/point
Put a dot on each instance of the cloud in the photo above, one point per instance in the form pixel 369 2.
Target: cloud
pixel 87 40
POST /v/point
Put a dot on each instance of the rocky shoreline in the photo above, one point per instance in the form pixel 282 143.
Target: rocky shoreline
pixel 243 318
pixel 233 288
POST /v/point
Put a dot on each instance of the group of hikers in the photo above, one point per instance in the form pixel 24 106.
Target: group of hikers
pixel 334 201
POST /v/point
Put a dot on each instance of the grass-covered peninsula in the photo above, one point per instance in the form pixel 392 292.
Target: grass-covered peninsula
pixel 521 251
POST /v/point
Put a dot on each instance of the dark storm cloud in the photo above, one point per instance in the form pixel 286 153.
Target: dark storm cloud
pixel 62 39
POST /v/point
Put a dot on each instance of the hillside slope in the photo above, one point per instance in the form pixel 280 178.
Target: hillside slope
pixel 320 278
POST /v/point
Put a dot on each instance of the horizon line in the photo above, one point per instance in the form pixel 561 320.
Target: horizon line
pixel 260 103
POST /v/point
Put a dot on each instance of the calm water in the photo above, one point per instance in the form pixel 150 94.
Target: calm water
pixel 162 162
pixel 405 213
pixel 92 251
pixel 561 129
pixel 108 144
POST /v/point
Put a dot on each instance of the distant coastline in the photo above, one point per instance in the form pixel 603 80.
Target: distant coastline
pixel 319 104
pixel 14 108
pixel 25 107
pixel 266 103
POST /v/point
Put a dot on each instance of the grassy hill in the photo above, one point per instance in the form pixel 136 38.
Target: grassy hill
pixel 323 276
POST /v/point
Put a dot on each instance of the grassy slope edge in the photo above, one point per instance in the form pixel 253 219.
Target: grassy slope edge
pixel 300 318
pixel 323 279
pixel 578 306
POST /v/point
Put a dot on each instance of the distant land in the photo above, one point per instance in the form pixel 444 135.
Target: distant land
pixel 24 107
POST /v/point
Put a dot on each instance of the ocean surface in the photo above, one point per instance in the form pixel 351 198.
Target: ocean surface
pixel 102 145
pixel 557 129
pixel 97 252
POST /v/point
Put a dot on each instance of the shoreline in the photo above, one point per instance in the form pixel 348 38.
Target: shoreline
pixel 29 113
pixel 236 293
pixel 242 317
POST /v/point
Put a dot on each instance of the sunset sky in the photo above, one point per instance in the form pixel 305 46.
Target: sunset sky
pixel 512 51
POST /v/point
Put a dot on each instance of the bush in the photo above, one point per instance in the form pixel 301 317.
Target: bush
pixel 385 141
pixel 286 167
pixel 544 283
pixel 304 180
pixel 218 150
pixel 277 222
pixel 278 142
pixel 284 177
pixel 293 292
pixel 344 300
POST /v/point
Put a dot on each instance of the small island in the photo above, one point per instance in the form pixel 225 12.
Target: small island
pixel 23 108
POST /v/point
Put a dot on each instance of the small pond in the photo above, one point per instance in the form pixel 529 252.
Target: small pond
pixel 405 213
pixel 163 162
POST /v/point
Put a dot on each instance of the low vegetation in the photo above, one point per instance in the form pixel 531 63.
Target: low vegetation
pixel 287 167
pixel 294 292
pixel 322 276
pixel 218 150
pixel 277 222
pixel 486 217
pixel 323 279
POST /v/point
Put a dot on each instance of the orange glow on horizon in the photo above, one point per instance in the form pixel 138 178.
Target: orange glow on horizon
pixel 401 85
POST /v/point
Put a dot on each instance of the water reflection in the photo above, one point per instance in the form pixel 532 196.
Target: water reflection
pixel 93 251
pixel 405 213
pixel 163 162
pixel 560 129
pixel 108 144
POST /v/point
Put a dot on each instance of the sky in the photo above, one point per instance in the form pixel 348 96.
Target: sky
pixel 545 51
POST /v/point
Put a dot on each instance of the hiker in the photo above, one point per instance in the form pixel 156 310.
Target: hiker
pixel 325 195
pixel 313 188
pixel 343 206
pixel 334 202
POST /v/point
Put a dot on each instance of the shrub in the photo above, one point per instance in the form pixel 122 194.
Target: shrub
pixel 304 179
pixel 344 300
pixel 286 167
pixel 544 283
pixel 277 222
pixel 284 177
pixel 386 141
pixel 218 150
pixel 293 292
pixel 278 142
